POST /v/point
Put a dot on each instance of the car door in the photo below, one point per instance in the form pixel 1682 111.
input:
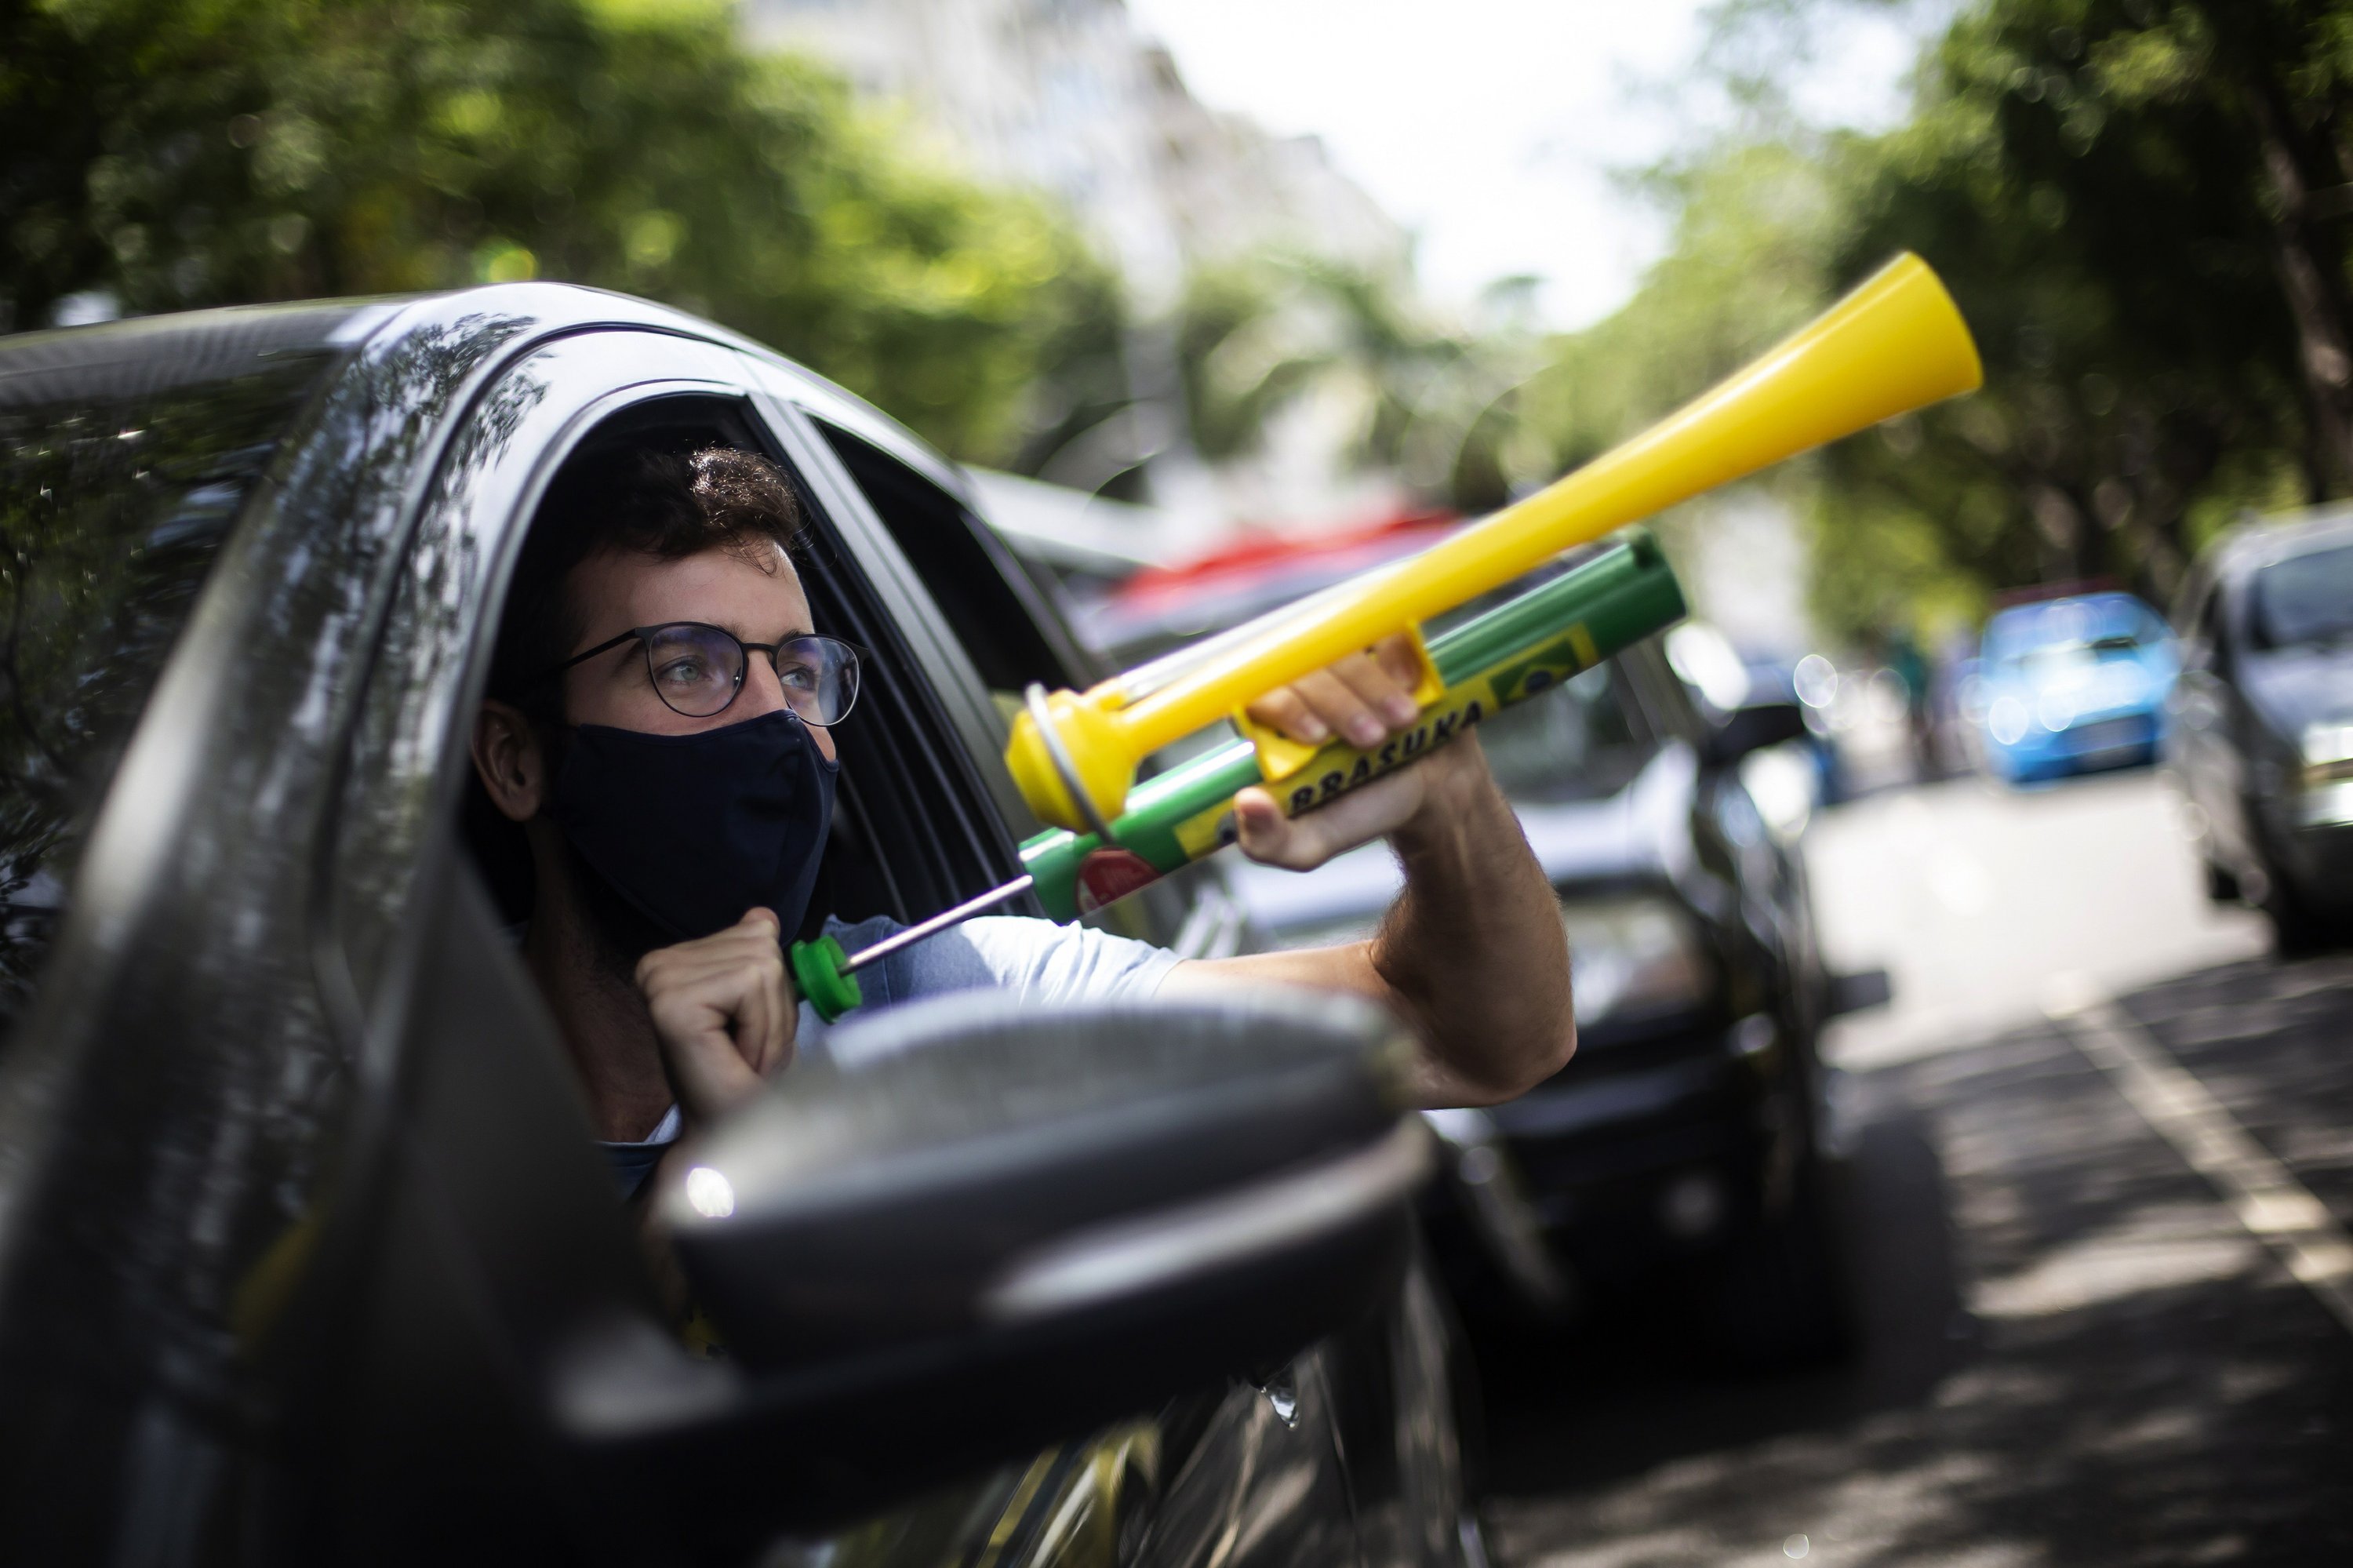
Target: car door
pixel 1351 1452
pixel 478 1245
pixel 464 1300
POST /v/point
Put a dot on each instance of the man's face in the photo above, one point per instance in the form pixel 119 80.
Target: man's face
pixel 757 597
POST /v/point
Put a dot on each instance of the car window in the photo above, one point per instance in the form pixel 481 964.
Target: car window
pixel 1578 744
pixel 2046 639
pixel 113 510
pixel 1004 617
pixel 1011 627
pixel 2302 601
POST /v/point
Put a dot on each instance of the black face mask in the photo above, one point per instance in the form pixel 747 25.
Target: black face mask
pixel 693 829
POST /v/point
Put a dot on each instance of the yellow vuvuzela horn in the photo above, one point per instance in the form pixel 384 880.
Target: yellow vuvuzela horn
pixel 1895 344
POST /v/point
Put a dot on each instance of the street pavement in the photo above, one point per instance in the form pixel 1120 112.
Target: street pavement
pixel 2085 1339
pixel 1977 898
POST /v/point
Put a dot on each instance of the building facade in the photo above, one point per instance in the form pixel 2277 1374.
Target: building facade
pixel 1070 97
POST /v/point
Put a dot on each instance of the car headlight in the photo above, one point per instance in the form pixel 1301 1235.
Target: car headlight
pixel 2056 710
pixel 2005 720
pixel 1635 952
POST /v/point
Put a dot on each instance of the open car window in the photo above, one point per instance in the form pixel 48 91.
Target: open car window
pixel 913 831
pixel 1005 617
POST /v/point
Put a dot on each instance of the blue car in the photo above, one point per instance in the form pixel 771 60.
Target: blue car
pixel 2074 684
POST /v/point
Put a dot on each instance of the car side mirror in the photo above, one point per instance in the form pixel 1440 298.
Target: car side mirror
pixel 1753 729
pixel 1856 992
pixel 981 1227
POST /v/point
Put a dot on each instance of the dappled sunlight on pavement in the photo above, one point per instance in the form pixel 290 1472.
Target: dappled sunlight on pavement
pixel 2075 1352
pixel 2121 1375
pixel 2274 1045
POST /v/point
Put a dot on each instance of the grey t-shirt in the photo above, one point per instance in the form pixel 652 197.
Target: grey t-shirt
pixel 1042 960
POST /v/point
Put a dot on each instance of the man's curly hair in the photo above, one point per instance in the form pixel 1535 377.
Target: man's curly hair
pixel 634 500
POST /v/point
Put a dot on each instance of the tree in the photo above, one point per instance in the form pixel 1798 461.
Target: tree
pixel 1747 263
pixel 1433 402
pixel 2086 177
pixel 2136 205
pixel 185 153
pixel 1756 224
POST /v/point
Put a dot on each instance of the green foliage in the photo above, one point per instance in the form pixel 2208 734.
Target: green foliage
pixel 1747 265
pixel 1747 262
pixel 2087 178
pixel 185 153
pixel 1432 402
pixel 2139 206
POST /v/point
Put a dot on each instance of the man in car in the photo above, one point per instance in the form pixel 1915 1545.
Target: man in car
pixel 659 728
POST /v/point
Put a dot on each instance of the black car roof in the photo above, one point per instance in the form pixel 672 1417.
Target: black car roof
pixel 123 359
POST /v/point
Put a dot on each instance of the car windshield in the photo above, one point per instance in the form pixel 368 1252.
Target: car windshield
pixel 112 508
pixel 2303 600
pixel 2049 639
pixel 2053 658
pixel 1576 744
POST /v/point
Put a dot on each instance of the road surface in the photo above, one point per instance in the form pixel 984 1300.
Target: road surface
pixel 2105 1322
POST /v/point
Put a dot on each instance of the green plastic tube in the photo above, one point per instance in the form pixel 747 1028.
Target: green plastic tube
pixel 1523 647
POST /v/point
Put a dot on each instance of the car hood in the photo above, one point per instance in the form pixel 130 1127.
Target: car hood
pixel 1643 832
pixel 2291 687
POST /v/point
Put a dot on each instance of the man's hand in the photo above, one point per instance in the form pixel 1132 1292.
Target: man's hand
pixel 1473 953
pixel 1365 699
pixel 725 1011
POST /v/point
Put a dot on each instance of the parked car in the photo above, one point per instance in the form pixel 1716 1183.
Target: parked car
pixel 2261 736
pixel 1687 1153
pixel 2069 685
pixel 306 1252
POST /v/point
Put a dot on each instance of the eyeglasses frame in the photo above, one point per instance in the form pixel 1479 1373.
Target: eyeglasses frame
pixel 644 636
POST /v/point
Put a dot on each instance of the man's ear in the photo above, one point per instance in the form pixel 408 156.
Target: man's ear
pixel 509 760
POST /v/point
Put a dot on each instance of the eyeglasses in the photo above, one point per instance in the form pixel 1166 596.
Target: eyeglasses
pixel 696 669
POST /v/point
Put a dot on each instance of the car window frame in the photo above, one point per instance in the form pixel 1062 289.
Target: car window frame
pixel 491 535
pixel 431 683
pixel 978 729
pixel 1055 657
pixel 1188 911
pixel 2222 624
pixel 954 732
pixel 960 713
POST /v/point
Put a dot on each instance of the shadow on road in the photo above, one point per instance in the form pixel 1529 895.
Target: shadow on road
pixel 1623 1391
pixel 2269 1039
pixel 2076 1353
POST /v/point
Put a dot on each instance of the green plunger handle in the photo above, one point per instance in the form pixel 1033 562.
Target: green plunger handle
pixel 820 970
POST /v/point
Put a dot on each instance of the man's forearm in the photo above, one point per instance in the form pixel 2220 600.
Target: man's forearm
pixel 1474 952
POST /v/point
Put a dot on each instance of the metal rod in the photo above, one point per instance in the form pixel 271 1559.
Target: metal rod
pixel 937 923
